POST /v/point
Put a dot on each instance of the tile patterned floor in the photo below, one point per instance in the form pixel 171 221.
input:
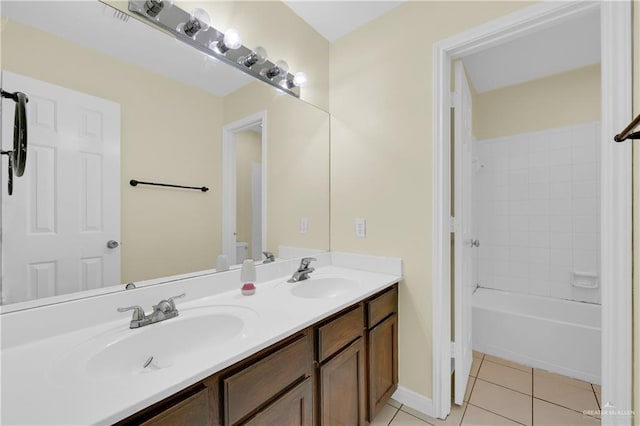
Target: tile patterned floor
pixel 501 392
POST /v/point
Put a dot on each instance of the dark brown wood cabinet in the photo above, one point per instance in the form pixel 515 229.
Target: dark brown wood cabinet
pixel 294 408
pixel 339 371
pixel 254 385
pixel 382 349
pixel 342 387
pixel 383 363
pixel 192 411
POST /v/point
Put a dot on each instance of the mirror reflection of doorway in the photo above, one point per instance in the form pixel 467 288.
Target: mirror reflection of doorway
pixel 249 194
pixel 244 144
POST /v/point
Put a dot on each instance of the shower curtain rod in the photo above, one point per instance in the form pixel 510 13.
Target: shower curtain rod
pixel 626 133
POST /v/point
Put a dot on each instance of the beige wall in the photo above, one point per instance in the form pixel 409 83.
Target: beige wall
pixel 274 26
pixel 163 231
pixel 559 100
pixel 297 164
pixel 381 152
pixel 248 151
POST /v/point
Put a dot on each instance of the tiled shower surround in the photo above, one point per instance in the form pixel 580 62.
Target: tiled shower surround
pixel 536 199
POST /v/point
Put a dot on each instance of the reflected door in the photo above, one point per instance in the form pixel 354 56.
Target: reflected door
pixel 61 226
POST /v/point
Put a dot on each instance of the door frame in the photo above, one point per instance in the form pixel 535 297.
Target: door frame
pixel 616 192
pixel 229 132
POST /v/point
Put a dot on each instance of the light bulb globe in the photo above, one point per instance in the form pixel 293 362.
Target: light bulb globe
pixel 232 39
pixel 283 66
pixel 202 16
pixel 261 54
pixel 300 79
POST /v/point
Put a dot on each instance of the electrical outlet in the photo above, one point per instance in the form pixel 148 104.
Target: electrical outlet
pixel 361 228
pixel 304 225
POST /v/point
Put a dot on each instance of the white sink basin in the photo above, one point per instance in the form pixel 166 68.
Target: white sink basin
pixel 192 334
pixel 323 287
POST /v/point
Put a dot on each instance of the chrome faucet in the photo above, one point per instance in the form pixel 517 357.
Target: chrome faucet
pixel 164 310
pixel 303 270
pixel 269 257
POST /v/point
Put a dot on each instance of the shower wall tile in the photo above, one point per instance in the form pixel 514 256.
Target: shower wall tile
pixel 536 201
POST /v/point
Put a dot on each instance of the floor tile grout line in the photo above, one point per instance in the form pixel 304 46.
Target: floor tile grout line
pixel 477 406
pixel 562 378
pixel 596 396
pixel 414 416
pixel 475 380
pixel 503 386
pixel 497 414
pixel 464 411
pixel 394 415
pixel 532 401
pixel 508 366
pixel 562 406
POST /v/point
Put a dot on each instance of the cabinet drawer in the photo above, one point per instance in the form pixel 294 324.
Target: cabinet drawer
pixel 340 332
pixel 381 307
pixel 193 410
pixel 265 379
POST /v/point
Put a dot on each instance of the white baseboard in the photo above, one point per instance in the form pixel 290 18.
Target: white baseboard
pixel 414 400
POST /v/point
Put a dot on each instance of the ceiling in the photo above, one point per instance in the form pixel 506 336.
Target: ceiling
pixel 334 19
pixel 569 45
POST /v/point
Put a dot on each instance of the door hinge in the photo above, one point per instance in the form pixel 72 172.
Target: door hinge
pixel 453 349
pixel 455 99
pixel 452 224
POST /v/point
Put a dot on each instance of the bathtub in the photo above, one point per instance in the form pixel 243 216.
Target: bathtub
pixel 561 336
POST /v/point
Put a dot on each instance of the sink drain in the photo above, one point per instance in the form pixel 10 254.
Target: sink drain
pixel 147 362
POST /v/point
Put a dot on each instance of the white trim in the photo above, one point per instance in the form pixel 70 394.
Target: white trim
pixel 616 211
pixel 616 196
pixel 413 400
pixel 229 181
pixel 441 257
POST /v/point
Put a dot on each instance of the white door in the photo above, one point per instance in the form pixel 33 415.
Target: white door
pixel 256 211
pixel 66 207
pixel 464 239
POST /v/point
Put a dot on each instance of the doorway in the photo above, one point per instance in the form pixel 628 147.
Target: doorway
pixel 615 202
pixel 244 148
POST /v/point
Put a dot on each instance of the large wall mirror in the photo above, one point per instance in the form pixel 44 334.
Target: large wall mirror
pixel 112 99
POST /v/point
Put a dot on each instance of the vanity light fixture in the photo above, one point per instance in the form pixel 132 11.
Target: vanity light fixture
pixel 231 40
pixel 279 68
pixel 257 57
pixel 194 29
pixel 154 7
pixel 299 79
pixel 199 20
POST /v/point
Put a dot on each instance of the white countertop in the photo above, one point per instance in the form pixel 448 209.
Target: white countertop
pixel 42 382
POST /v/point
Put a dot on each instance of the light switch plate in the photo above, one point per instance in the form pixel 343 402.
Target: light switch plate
pixel 361 228
pixel 304 225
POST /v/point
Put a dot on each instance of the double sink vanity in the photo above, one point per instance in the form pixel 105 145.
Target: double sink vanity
pixel 322 350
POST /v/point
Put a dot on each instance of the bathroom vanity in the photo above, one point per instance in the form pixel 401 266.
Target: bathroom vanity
pixel 321 351
pixel 339 371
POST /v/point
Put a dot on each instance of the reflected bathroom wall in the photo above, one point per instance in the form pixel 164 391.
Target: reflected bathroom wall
pixel 171 132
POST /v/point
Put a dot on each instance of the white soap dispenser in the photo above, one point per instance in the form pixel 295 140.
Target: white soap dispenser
pixel 248 277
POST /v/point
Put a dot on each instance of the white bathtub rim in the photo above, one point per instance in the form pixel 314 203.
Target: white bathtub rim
pixel 513 310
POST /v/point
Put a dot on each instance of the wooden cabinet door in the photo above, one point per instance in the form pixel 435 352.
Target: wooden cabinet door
pixel 383 363
pixel 294 408
pixel 192 411
pixel 342 387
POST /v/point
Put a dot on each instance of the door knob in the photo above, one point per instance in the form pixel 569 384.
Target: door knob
pixel 475 243
pixel 112 244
